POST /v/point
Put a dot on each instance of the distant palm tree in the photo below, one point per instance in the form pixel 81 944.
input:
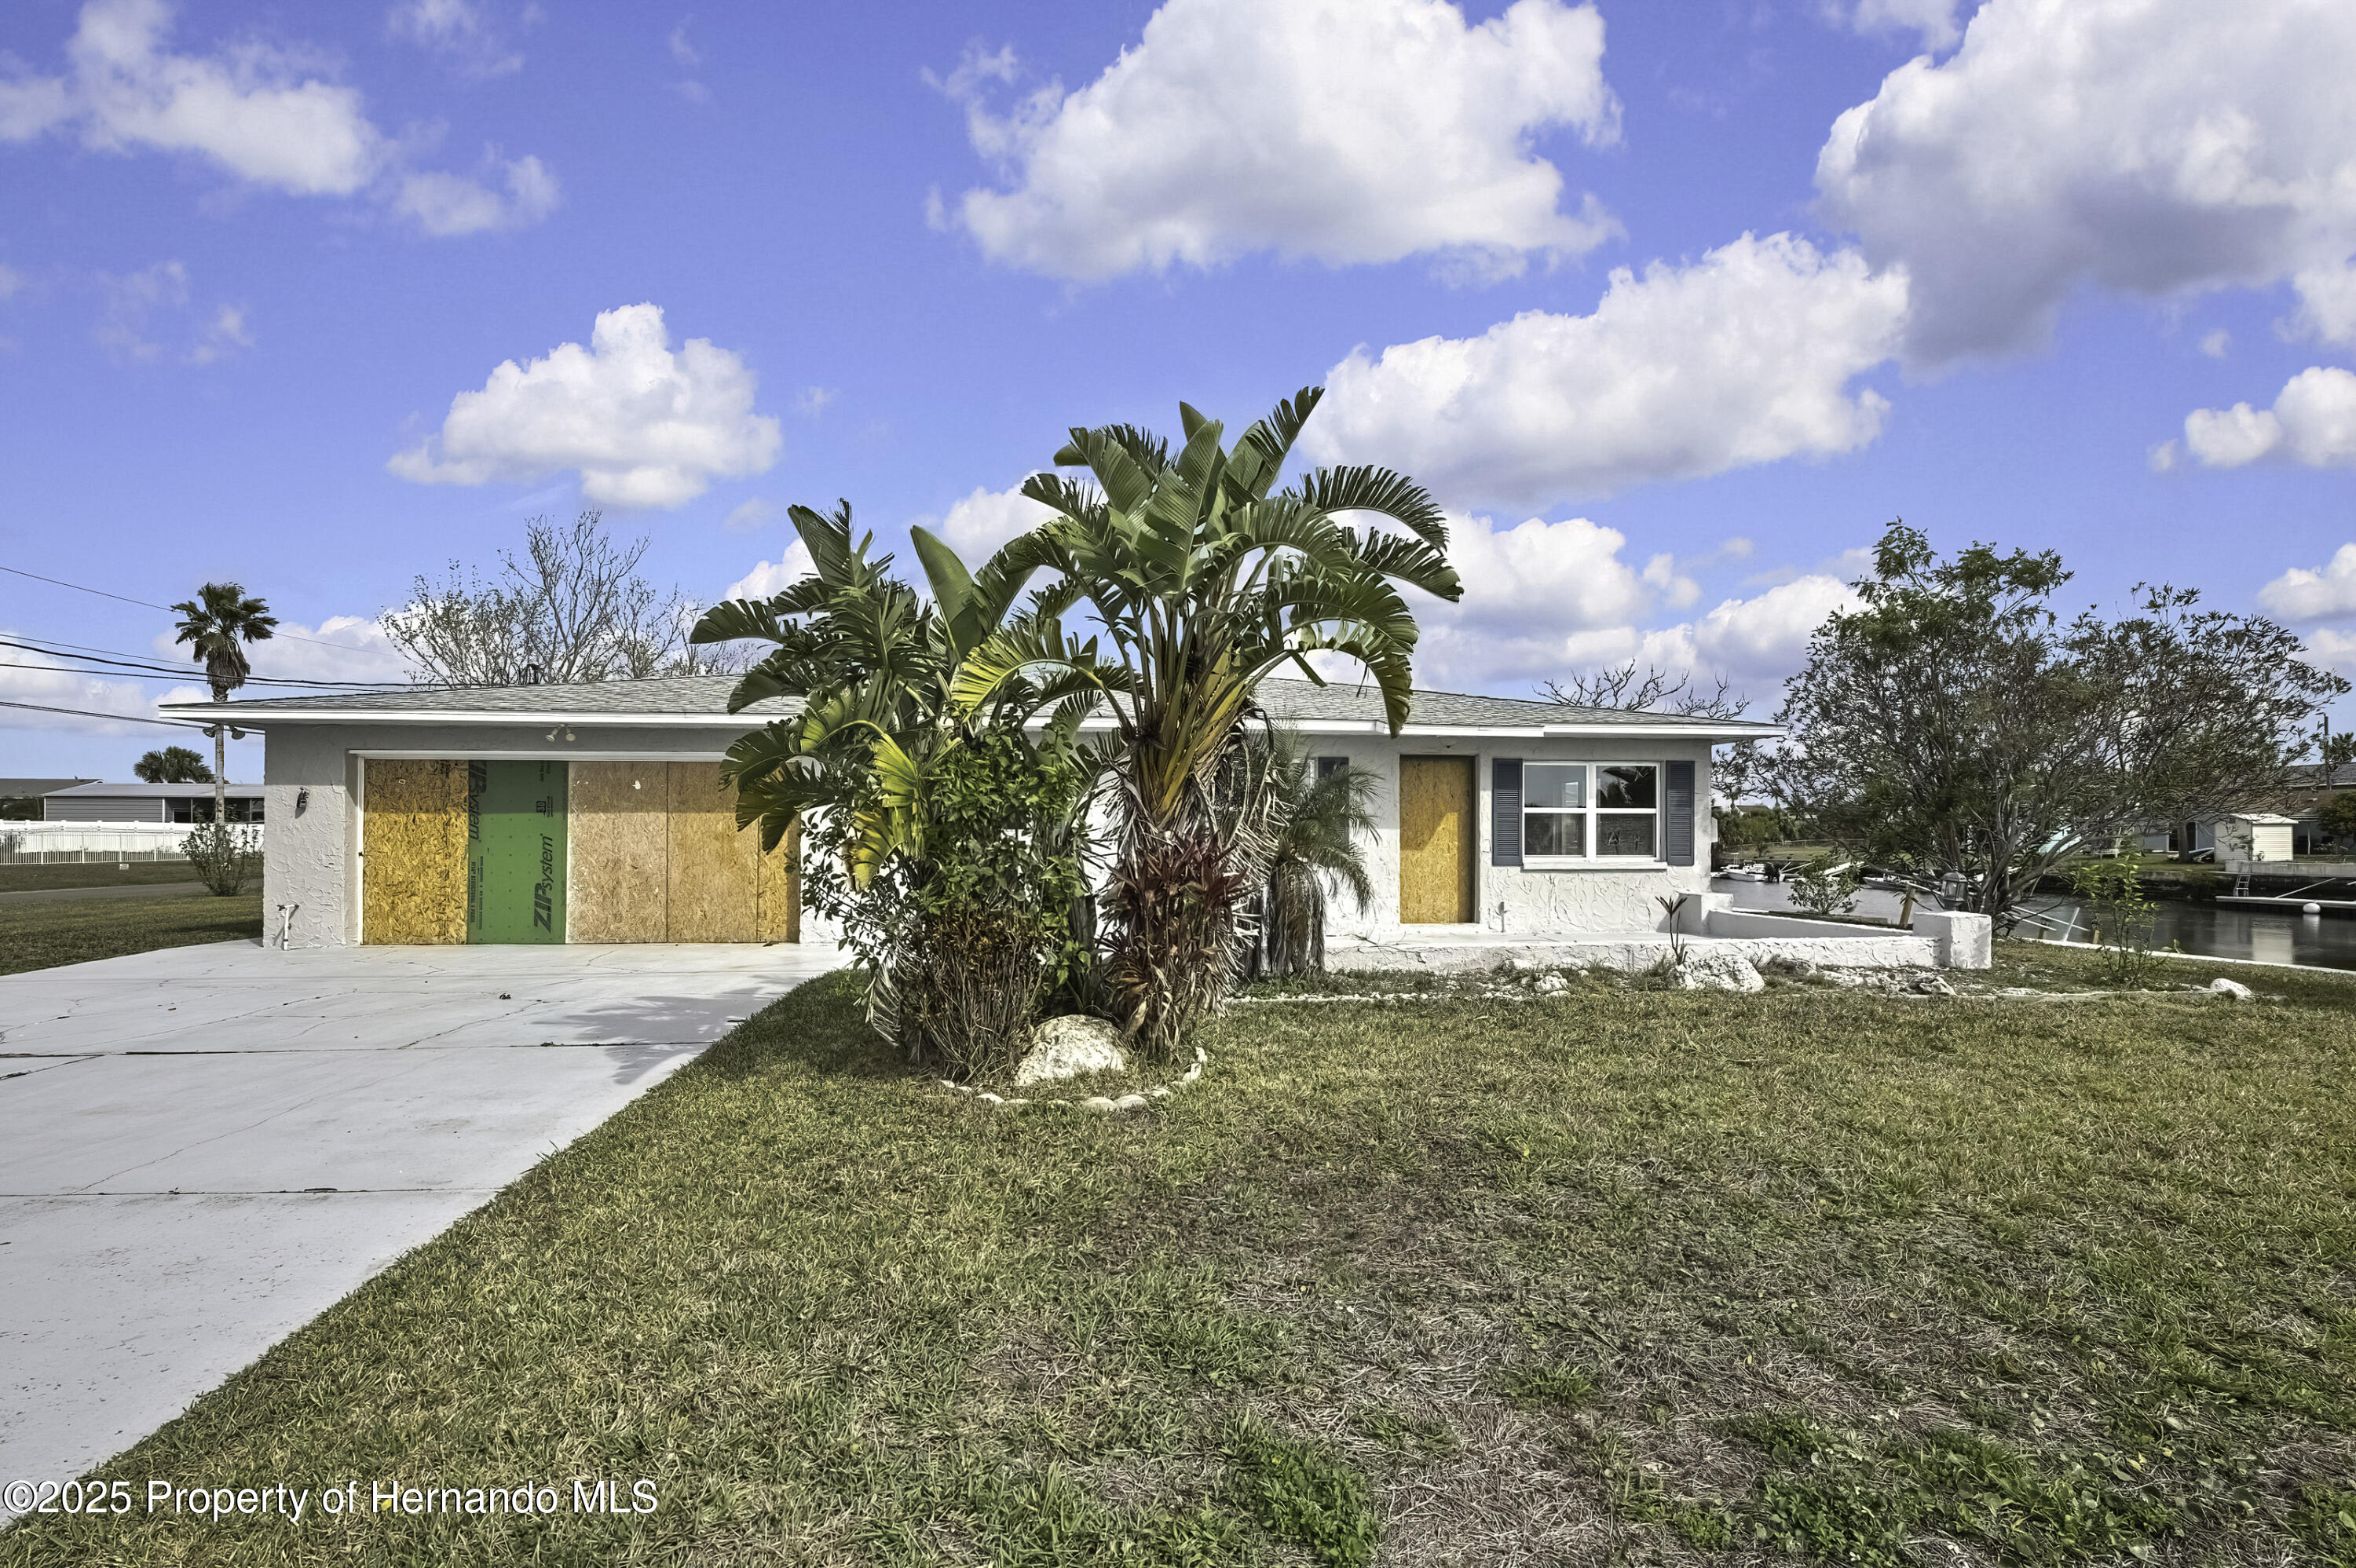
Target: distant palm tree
pixel 215 622
pixel 173 764
pixel 1318 822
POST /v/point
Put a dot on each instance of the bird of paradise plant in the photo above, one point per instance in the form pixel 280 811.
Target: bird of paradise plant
pixel 1204 577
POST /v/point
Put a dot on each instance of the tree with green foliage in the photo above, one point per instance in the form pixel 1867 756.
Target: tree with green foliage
pixel 216 625
pixel 1954 728
pixel 2338 817
pixel 172 765
pixel 944 839
pixel 1205 579
pixel 1319 823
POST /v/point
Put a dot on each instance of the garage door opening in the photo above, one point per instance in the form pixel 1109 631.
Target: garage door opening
pixel 502 852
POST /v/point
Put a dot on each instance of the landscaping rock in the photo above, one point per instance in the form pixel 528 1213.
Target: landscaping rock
pixel 1130 1102
pixel 1066 1046
pixel 1096 1103
pixel 1717 972
pixel 2233 989
pixel 1932 985
pixel 1552 985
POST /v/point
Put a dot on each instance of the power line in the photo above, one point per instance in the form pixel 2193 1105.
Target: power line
pixel 92 713
pixel 151 671
pixel 78 588
pixel 150 604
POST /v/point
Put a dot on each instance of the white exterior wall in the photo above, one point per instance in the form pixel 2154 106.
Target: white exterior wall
pixel 1515 898
pixel 311 873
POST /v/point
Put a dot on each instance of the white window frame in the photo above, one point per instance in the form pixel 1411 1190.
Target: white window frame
pixel 1589 816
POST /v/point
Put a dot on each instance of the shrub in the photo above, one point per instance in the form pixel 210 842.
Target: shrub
pixel 2124 918
pixel 224 856
pixel 1823 888
pixel 962 937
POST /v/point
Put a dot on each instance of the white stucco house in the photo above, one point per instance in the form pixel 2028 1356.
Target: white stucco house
pixel 594 813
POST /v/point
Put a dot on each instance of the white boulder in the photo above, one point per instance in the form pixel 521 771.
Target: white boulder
pixel 1066 1046
pixel 1717 972
pixel 1552 985
pixel 2233 989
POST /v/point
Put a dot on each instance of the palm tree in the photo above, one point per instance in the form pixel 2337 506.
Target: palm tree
pixel 1206 579
pixel 1318 821
pixel 217 623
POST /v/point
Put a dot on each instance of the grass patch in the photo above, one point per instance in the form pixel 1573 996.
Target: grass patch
pixel 1644 1275
pixel 41 934
pixel 95 874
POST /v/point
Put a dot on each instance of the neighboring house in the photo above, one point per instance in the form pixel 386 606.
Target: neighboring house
pixel 596 814
pixel 189 803
pixel 2229 838
pixel 20 799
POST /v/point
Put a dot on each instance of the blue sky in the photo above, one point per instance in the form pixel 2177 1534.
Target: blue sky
pixel 2069 275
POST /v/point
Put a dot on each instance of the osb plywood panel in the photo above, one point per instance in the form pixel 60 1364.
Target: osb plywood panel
pixel 619 888
pixel 714 871
pixel 1435 840
pixel 781 886
pixel 413 853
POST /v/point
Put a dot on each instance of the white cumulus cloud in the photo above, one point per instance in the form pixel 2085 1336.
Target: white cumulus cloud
pixel 463 32
pixel 644 426
pixel 2313 423
pixel 267 115
pixel 1759 641
pixel 773 577
pixel 250 109
pixel 980 521
pixel 2149 145
pixel 1743 358
pixel 444 203
pixel 1342 131
pixel 1931 22
pixel 2328 593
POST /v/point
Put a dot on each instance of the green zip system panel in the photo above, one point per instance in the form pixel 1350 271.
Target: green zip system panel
pixel 515 851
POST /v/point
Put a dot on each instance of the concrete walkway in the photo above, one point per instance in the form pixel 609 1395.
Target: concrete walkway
pixel 203 1149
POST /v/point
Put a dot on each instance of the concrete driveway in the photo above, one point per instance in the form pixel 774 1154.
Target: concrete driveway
pixel 202 1148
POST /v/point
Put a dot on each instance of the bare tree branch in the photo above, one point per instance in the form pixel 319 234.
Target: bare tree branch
pixel 573 609
pixel 1648 690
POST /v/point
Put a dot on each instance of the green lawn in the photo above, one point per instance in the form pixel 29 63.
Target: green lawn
pixel 39 933
pixel 95 874
pixel 1631 1276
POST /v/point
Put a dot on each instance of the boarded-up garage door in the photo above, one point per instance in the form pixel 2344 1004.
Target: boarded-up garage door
pixel 656 857
pixel 413 853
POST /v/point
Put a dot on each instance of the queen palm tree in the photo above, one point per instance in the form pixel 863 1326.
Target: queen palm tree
pixel 1206 579
pixel 217 623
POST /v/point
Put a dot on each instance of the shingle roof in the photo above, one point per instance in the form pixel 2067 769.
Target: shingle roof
pixel 701 695
pixel 102 791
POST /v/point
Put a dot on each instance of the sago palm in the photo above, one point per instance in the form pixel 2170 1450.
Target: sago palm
pixel 1205 577
pixel 218 624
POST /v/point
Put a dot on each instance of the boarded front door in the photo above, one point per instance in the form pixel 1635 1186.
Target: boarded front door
pixel 1435 840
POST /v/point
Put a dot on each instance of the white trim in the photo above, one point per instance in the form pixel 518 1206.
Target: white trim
pixel 1594 863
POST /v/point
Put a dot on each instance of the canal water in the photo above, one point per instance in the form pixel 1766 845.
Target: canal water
pixel 2213 931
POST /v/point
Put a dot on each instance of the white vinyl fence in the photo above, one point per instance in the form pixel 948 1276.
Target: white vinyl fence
pixel 66 843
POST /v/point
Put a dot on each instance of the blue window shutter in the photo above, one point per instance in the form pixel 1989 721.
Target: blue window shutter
pixel 1677 831
pixel 1506 811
